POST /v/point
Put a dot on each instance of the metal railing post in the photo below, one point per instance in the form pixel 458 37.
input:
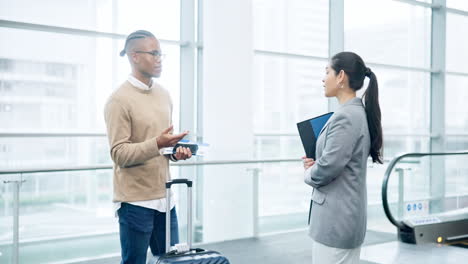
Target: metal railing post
pixel 255 200
pixel 16 199
pixel 401 191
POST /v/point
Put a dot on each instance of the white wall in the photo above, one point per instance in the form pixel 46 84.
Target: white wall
pixel 227 110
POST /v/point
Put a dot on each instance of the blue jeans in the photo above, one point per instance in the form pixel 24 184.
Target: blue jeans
pixel 141 227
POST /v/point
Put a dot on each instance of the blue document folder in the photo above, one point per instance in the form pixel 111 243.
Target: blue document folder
pixel 309 131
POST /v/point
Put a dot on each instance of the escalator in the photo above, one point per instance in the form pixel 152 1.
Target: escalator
pixel 440 216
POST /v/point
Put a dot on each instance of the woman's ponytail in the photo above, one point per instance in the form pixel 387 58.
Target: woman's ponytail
pixel 356 70
pixel 374 117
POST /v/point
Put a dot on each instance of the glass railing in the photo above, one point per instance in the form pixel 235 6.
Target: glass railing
pixel 66 214
pixel 426 188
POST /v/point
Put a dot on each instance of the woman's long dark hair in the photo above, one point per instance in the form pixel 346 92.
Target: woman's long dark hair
pixel 356 70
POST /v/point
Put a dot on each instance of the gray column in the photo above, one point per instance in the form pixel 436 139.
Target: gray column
pixel 335 36
pixel 437 104
pixel 227 115
pixel 198 181
pixel 187 96
pixel 187 66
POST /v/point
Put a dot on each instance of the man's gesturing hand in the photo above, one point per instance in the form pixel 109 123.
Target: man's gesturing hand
pixel 166 139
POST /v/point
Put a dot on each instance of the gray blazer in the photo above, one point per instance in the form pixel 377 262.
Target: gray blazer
pixel 339 208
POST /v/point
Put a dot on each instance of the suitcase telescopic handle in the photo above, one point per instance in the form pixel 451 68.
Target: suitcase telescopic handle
pixel 178 181
pixel 168 211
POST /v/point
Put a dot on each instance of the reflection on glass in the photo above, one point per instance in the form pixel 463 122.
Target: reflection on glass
pixel 287 91
pixel 120 16
pixel 378 35
pixel 293 26
pixel 456 116
pixel 62 86
pixel 284 198
pixel 457 37
pixel 63 211
pixel 404 101
pixel 48 152
pixel 458 4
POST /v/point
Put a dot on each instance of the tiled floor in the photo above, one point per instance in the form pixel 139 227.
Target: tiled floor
pixel 291 248
pixel 294 247
pixel 402 253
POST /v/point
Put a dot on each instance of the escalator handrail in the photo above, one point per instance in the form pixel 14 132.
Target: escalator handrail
pixel 389 170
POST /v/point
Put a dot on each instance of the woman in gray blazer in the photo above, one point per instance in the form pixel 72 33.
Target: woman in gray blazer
pixel 338 175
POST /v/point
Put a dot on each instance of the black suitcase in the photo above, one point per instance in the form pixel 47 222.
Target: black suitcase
pixel 194 255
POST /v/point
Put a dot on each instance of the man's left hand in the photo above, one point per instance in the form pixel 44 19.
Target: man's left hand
pixel 183 153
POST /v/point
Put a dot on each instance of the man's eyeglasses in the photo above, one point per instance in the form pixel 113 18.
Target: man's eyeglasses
pixel 154 53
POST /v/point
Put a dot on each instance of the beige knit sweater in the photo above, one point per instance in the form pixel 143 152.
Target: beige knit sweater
pixel 134 118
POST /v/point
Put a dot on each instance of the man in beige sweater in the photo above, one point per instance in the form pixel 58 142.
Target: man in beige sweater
pixel 138 118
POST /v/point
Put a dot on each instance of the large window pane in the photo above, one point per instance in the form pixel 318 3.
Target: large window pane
pixel 404 100
pixel 298 26
pixel 30 152
pixel 278 146
pixel 456 143
pixel 457 39
pixel 55 85
pixel 64 215
pixel 74 13
pixel 62 85
pixel 123 16
pixel 379 35
pixel 283 197
pixel 161 17
pixel 64 82
pixel 456 116
pixel 458 4
pixel 287 91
